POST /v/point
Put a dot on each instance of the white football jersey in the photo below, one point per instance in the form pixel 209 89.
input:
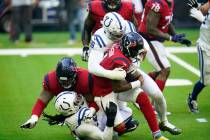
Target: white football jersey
pixel 204 39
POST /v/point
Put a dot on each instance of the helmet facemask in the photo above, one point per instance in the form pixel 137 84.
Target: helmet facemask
pixel 66 73
pixel 112 4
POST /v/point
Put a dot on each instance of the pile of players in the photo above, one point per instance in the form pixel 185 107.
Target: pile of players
pixel 93 102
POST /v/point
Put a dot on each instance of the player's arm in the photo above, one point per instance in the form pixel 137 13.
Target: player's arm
pixel 86 33
pixel 94 67
pixel 153 20
pixel 133 80
pixel 171 29
pixel 38 108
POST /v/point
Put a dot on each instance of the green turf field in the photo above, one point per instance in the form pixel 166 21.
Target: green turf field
pixel 21 80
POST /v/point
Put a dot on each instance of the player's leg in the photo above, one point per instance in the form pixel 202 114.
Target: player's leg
pixel 157 56
pixel 138 96
pixel 204 65
pixel 150 87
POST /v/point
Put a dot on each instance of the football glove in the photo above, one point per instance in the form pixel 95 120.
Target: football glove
pixel 85 53
pixel 177 37
pixel 193 4
pixel 186 42
pixel 197 14
pixel 30 123
pixel 111 112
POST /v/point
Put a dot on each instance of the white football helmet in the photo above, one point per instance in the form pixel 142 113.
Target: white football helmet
pixel 68 102
pixel 114 25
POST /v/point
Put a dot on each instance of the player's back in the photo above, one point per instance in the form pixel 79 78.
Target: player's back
pixel 161 7
pixel 97 10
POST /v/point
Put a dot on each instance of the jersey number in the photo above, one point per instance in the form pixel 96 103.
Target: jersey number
pixel 155 7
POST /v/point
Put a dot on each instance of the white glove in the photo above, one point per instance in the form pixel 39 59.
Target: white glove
pixel 197 14
pixel 116 74
pixel 89 115
pixel 31 122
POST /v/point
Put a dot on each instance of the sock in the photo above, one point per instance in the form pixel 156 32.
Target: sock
pixel 197 89
pixel 161 84
pixel 147 110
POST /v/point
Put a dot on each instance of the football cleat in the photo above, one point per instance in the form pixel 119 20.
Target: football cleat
pixel 161 138
pixel 166 126
pixel 192 104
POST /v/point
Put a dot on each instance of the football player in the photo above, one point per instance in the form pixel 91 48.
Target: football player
pixel 73 112
pixel 102 40
pixel 131 47
pixel 202 14
pixel 68 76
pixel 96 11
pixel 156 27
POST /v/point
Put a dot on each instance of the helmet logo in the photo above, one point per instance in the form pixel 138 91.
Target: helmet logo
pixel 107 21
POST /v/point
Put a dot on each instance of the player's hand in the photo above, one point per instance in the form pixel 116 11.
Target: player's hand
pixel 85 53
pixel 118 74
pixel 89 115
pixel 193 4
pixel 30 123
pixel 111 112
pixel 197 14
pixel 186 42
pixel 177 37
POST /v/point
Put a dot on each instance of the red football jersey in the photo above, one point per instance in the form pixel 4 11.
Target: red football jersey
pixel 161 7
pixel 51 84
pixel 113 59
pixel 97 11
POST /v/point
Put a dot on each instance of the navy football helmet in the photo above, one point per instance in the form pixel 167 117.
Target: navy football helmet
pixel 112 4
pixel 132 45
pixel 66 72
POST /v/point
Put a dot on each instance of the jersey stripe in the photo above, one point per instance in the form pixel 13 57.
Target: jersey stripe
pixel 97 40
pixel 46 80
pixel 118 20
pixel 131 26
pixel 121 59
pixel 102 41
pixel 200 55
pixel 81 115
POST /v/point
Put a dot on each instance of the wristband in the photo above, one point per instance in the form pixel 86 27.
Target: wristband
pixel 135 84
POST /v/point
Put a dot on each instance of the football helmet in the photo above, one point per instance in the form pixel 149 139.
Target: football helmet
pixel 66 72
pixel 68 102
pixel 132 45
pixel 112 4
pixel 114 26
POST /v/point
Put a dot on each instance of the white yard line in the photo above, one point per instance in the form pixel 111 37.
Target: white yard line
pixel 182 49
pixel 41 51
pixel 178 82
pixel 184 64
